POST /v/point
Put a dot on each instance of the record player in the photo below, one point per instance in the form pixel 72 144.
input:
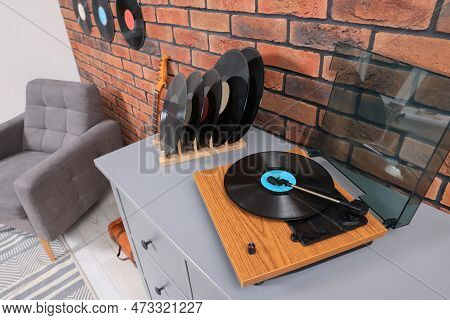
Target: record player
pixel 276 212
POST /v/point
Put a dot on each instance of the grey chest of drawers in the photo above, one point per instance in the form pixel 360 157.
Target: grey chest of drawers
pixel 180 256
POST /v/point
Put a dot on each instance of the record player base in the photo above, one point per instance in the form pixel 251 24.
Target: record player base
pixel 275 253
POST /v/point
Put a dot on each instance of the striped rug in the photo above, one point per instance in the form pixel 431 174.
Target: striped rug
pixel 27 273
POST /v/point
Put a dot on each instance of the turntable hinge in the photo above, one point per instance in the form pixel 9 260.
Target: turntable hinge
pixel 312 153
pixel 390 223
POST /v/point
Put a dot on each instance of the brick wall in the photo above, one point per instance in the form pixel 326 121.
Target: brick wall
pixel 295 37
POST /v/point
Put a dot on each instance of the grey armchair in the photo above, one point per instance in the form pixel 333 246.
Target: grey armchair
pixel 48 179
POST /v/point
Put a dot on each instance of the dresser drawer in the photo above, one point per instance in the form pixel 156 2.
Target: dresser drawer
pixel 202 288
pixel 151 241
pixel 159 286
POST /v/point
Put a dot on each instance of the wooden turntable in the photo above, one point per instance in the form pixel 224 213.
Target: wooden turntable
pixel 275 253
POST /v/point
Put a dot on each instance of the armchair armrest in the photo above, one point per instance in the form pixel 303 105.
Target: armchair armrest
pixel 11 136
pixel 60 189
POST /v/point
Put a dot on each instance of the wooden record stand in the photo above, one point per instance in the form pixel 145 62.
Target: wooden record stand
pixel 196 153
pixel 275 254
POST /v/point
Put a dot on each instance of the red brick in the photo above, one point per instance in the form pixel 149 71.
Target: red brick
pixel 104 46
pixel 191 38
pixel 299 8
pixel 416 152
pixel 172 16
pixel 229 5
pixel 270 122
pixel 259 28
pixel 140 57
pixel 149 14
pixel 204 60
pixel 273 80
pixel 434 189
pixel 159 32
pixel 308 89
pixel 134 68
pixel 325 36
pixel 445 168
pixel 114 61
pixel 221 44
pixel 291 59
pixel 429 53
pixel 144 85
pixel 328 74
pixel 72 25
pixel 186 70
pixel 96 63
pixel 296 110
pixel 446 196
pixel 176 53
pixel 120 51
pixel 219 22
pixel 405 14
pixel 68 14
pixel 150 74
pixel 301 134
pixel 129 99
pixel 119 84
pixel 137 93
pixel 443 23
pixel 155 1
pixel 192 3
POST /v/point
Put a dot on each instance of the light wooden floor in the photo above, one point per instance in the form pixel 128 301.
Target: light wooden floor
pixel 91 245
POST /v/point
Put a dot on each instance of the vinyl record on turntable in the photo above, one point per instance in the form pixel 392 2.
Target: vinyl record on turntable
pixel 246 183
pixel 212 87
pixel 173 115
pixel 194 108
pixel 131 21
pixel 256 89
pixel 104 18
pixel 233 69
pixel 82 12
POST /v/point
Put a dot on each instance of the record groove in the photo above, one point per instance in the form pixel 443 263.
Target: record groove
pixel 246 184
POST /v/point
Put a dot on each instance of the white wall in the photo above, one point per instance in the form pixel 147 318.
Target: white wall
pixel 34 44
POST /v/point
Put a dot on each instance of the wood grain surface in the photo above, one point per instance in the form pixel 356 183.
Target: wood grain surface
pixel 275 254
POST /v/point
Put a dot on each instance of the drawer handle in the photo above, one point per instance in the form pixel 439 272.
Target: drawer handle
pixel 159 290
pixel 145 244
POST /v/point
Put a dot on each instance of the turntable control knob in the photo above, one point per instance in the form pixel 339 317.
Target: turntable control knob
pixel 251 248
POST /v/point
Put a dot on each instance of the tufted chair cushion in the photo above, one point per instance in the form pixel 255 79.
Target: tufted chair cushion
pixel 58 112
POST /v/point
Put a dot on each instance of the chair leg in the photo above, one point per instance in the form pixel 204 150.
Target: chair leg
pixel 48 249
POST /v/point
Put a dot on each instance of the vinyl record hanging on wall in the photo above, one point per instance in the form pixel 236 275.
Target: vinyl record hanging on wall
pixel 82 12
pixel 131 21
pixel 104 18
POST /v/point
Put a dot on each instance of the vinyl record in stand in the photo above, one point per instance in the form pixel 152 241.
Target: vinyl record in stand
pixel 246 183
pixel 104 18
pixel 173 115
pixel 83 15
pixel 233 69
pixel 194 108
pixel 255 92
pixel 212 86
pixel 131 21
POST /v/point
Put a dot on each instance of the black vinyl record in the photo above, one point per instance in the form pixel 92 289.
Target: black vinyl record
pixel 255 92
pixel 173 115
pixel 246 184
pixel 131 21
pixel 83 14
pixel 233 69
pixel 194 109
pixel 212 87
pixel 104 18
